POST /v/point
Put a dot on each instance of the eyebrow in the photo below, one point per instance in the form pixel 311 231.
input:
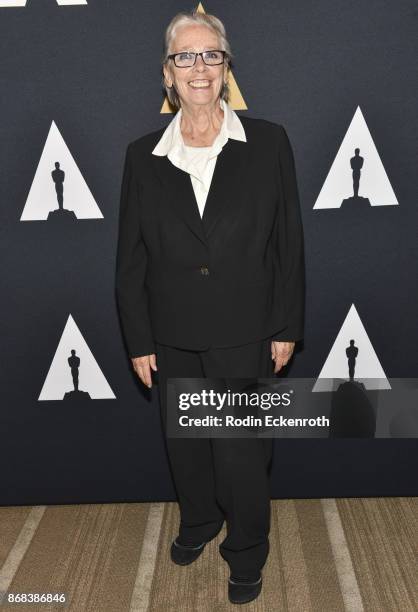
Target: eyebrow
pixel 191 50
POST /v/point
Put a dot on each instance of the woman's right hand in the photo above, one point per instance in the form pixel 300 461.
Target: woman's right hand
pixel 142 366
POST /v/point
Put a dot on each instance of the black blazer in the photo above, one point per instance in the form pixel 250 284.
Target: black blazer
pixel 232 277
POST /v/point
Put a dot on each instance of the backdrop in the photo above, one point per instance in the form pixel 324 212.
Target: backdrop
pixel 80 80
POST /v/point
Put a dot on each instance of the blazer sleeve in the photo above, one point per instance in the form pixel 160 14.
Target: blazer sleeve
pixel 131 264
pixel 290 244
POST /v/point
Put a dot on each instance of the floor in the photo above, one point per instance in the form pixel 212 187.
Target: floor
pixel 326 555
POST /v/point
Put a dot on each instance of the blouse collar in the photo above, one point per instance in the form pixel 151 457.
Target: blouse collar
pixel 171 143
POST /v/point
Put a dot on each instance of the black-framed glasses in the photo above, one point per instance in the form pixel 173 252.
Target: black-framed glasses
pixel 186 59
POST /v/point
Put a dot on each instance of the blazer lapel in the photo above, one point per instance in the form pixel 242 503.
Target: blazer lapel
pixel 227 180
pixel 223 192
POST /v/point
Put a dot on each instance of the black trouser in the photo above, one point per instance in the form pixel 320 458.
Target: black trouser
pixel 220 478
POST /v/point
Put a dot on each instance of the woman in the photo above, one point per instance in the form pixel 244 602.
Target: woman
pixel 210 282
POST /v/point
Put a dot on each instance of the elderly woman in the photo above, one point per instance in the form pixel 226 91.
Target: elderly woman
pixel 210 282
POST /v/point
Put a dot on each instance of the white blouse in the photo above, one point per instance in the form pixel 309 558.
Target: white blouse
pixel 204 167
pixel 199 162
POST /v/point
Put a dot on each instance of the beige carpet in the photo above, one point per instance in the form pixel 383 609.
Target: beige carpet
pixel 325 555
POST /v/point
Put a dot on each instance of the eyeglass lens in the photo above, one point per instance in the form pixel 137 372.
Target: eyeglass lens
pixel 187 58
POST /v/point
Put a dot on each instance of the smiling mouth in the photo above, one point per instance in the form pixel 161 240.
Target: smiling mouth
pixel 200 84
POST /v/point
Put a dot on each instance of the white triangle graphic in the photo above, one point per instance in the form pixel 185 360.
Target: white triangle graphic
pixel 59 380
pixel 367 365
pixel 43 199
pixel 374 185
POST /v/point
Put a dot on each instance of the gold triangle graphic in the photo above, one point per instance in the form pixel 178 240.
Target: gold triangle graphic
pixel 236 101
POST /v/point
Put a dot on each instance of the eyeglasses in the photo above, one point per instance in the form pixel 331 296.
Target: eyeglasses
pixel 186 59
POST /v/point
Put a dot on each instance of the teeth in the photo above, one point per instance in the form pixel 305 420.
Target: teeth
pixel 197 84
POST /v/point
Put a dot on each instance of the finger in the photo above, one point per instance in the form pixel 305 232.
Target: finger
pixel 153 362
pixel 277 366
pixel 278 363
pixel 144 373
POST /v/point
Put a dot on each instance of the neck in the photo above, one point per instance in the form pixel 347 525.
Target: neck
pixel 198 121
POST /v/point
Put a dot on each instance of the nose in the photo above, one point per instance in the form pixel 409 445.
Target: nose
pixel 199 62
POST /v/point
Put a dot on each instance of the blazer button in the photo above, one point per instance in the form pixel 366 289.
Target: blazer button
pixel 204 270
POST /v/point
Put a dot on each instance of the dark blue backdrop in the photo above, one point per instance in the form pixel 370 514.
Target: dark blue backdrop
pixel 95 71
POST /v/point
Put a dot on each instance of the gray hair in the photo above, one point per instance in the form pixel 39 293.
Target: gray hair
pixel 194 17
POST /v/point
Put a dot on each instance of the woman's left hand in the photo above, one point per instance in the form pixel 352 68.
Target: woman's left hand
pixel 281 353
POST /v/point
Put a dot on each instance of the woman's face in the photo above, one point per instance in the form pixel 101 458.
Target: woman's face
pixel 187 80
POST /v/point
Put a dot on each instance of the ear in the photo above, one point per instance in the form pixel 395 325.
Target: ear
pixel 167 76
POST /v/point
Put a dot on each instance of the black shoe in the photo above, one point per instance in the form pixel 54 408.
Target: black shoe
pixel 183 555
pixel 242 591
